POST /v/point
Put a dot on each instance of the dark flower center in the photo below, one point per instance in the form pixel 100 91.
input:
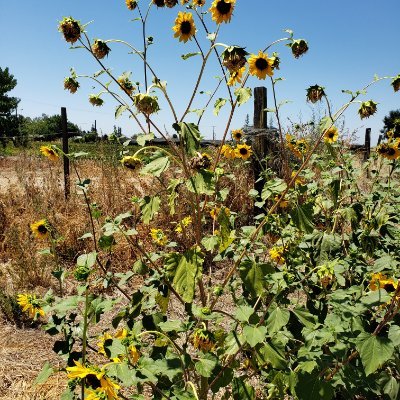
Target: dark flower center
pixel 186 27
pixel 331 135
pixel 243 151
pixel 159 3
pixel 389 287
pixel 391 151
pixel 261 64
pixel 224 8
pixel 42 229
pixel 92 381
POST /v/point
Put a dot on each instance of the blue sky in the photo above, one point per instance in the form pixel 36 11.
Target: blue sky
pixel 349 41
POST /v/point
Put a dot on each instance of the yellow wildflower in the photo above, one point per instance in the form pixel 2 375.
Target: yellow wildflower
pixel 49 152
pixel 30 304
pixel 276 254
pixel 158 236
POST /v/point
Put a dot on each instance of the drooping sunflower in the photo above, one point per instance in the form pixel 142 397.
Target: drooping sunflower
pixel 49 152
pixel 184 27
pixel 131 4
pixel 331 135
pixel 100 49
pixel 199 3
pixel 159 3
pixel 237 134
pixel 131 162
pixel 243 151
pixel 71 29
pixel 95 100
pixel 221 10
pixel 146 103
pixel 40 229
pixel 236 77
pixel 260 65
pixel 367 109
pixel 396 83
pixel 30 304
pixel 71 84
pixel 126 84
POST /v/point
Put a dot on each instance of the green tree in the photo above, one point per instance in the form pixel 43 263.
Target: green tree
pixel 391 121
pixel 9 123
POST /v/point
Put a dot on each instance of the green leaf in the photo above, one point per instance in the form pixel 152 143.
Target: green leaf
pixel 273 187
pixel 325 123
pixel 189 55
pixel 374 351
pixel 159 163
pixel 271 354
pixel 119 110
pixel 242 95
pixel 149 207
pixel 241 390
pixel 114 348
pixel 391 388
pixel 122 372
pixel 143 138
pixel 302 218
pixel 206 364
pixel 252 275
pixel 190 136
pixel 106 242
pixel 394 335
pixel 172 326
pixel 277 319
pixel 219 103
pixel 243 313
pixel 173 193
pixel 305 317
pixel 375 298
pixel 87 260
pixel 209 242
pixel 44 374
pixel 188 271
pixel 202 183
pixel 312 387
pixel 254 334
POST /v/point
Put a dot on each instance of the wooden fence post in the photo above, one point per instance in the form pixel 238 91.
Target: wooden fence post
pixel 64 130
pixel 367 144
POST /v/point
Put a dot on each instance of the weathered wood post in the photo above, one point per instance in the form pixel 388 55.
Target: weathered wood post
pixel 367 144
pixel 260 142
pixel 380 138
pixel 64 130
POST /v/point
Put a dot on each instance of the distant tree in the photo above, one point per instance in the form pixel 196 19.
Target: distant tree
pixel 247 120
pixel 391 121
pixel 49 127
pixel 9 122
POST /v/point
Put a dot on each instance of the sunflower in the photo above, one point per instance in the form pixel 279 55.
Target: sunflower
pixel 260 65
pixel 71 29
pixel 315 93
pixel 367 109
pixel 134 354
pixel 131 162
pixel 234 58
pixel 49 152
pixel 331 135
pixel 276 254
pixel 199 3
pixel 221 10
pixel 109 387
pixel 396 83
pixel 100 344
pixel 40 229
pixel 391 152
pixel 131 4
pixel 236 77
pixel 228 152
pixel 380 281
pixel 243 151
pixel 159 3
pixel 30 304
pixel 71 84
pixel 183 2
pixel 158 236
pixel 184 27
pixel 237 134
pixel 203 340
pixel 80 371
pixel 146 104
pixel 100 49
pixel 95 100
pixel 126 84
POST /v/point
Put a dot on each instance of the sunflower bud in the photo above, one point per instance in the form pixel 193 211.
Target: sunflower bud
pixel 396 83
pixel 275 60
pixel 159 3
pixel 70 28
pixel 146 104
pixel 201 161
pixel 234 58
pixel 126 84
pixel 299 47
pixel 95 100
pixel 81 273
pixel 71 84
pixel 171 3
pixel 131 162
pixel 315 93
pixel 367 109
pixel 204 340
pixel 131 4
pixel 100 49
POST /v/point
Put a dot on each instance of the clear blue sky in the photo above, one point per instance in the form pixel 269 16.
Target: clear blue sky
pixel 349 41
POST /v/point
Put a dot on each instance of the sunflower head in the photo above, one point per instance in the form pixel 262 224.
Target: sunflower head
pixel 200 161
pixel 203 340
pixel 315 93
pixel 171 3
pixel 299 47
pixel 260 65
pixel 234 58
pixel 236 76
pixel 126 84
pixel 228 152
pixel 100 48
pixel 131 4
pixel 146 104
pixel 396 83
pixel 50 152
pixel 158 236
pixel 221 10
pixel 131 162
pixel 389 151
pixel 184 27
pixel 243 151
pixel 276 254
pixel 71 84
pixel 183 2
pixel 198 3
pixel 70 28
pixel 367 109
pixel 275 60
pixel 96 100
pixel 380 281
pixel 31 305
pixel 237 134
pixel 40 229
pixel 159 3
pixel 331 135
